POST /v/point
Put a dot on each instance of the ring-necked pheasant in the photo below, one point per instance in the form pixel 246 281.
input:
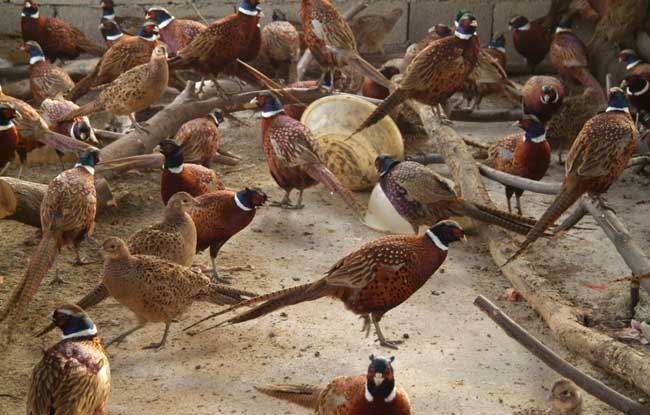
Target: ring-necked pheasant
pixel 570 56
pixel 130 24
pixel 633 64
pixel 199 139
pixel 176 33
pixel 372 89
pixel 532 39
pixel 74 375
pixel 111 32
pixel 497 49
pixel 292 155
pixel 125 53
pixel 637 89
pixel 376 393
pixel 79 128
pixel 177 176
pixel 542 96
pixel 436 72
pixel 67 217
pixel 436 32
pixel 46 80
pixel 59 39
pixel 132 91
pixel 525 155
pixel 9 136
pixel 423 197
pixel 370 281
pixel 156 290
pixel 331 40
pixel 596 159
pixel 221 215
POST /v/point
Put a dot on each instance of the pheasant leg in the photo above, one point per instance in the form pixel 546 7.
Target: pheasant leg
pixel 162 341
pixel 4 169
pixel 518 200
pixel 119 339
pixel 285 203
pixel 138 126
pixel 57 278
pixel 366 324
pixel 215 274
pixel 382 340
pixel 220 91
pixel 508 197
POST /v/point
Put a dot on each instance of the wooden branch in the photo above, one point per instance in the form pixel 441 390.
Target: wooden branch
pixel 519 182
pixel 307 57
pixel 77 69
pixel 426 158
pixel 519 69
pixel 566 323
pixel 485 115
pixel 20 200
pixel 576 216
pixel 551 359
pixel 106 135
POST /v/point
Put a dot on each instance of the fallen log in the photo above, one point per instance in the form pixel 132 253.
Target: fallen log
pixel 566 323
pixel 20 200
pixel 485 115
pixel 77 69
pixel 519 182
pixel 587 383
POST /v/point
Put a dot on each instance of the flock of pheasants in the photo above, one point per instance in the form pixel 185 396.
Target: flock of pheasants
pixel 151 273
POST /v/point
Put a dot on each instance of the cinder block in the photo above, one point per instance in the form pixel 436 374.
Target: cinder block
pixel 10 18
pixel 425 14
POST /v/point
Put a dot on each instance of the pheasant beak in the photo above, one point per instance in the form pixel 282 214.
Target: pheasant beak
pixel 18 115
pixel 378 379
pixel 251 105
pixel 474 23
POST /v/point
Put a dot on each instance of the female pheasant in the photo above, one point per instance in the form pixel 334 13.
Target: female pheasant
pixel 74 375
pixel 569 56
pixel 596 159
pixel 370 281
pixel 436 72
pixel 125 53
pixel 132 91
pixel 199 139
pixel 46 80
pixel 532 39
pixel 281 47
pixel 221 215
pixel 292 155
pixel 9 136
pixel 370 30
pixel 67 217
pixel 542 96
pixel 525 155
pixel 633 64
pixel 176 33
pixel 331 40
pixel 423 197
pixel 59 39
pixel 376 393
pixel 177 176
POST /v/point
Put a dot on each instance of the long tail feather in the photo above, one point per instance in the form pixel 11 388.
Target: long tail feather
pixel 82 87
pixel 328 179
pixel 587 80
pixel 494 217
pixel 39 264
pixel 221 294
pixel 369 71
pixel 88 109
pixel 303 395
pixel 392 101
pixel 568 195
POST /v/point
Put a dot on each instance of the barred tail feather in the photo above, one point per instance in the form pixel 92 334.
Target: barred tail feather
pixel 303 395
pixel 369 71
pixel 82 87
pixel 499 218
pixel 221 294
pixel 88 109
pixel 392 101
pixel 39 264
pixel 507 216
pixel 323 175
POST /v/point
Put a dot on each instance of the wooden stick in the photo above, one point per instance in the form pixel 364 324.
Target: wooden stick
pixel 106 135
pixel 519 182
pixel 589 384
pixel 426 158
pixel 77 69
pixel 485 115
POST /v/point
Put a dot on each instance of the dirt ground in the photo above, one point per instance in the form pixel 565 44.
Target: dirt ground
pixel 454 360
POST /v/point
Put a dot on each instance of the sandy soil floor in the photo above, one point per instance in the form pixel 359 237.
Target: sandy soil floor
pixel 454 360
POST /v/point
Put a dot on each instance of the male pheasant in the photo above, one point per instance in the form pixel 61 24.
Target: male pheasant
pixel 532 39
pixel 176 33
pixel 542 96
pixel 633 63
pixel 46 80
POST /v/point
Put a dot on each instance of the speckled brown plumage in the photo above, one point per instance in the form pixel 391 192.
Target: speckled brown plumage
pixel 134 90
pixel 618 19
pixel 281 48
pixel 542 96
pixel 46 80
pixel 156 290
pixel 370 281
pixel 73 377
pixel 596 159
pixel 59 39
pixel 79 128
pixel 199 140
pixel 126 53
pixel 173 239
pixel 565 397
pixel 370 31
pixel 436 32
pixel 376 393
pixel 176 33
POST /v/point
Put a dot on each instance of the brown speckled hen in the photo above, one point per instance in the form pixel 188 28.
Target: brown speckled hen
pixel 59 39
pixel 46 80
pixel 376 393
pixel 125 53
pixel 371 280
pixel 596 159
pixel 370 31
pixel 176 33
pixel 436 72
pixel 281 47
pixel 542 96
pixel 532 39
pixel 199 139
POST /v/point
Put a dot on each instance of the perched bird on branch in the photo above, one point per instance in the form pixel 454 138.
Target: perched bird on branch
pixel 370 281
pixel 9 136
pixel 74 375
pixel 59 39
pixel 436 73
pixel 525 155
pixel 67 218
pixel 542 96
pixel 293 157
pixel 376 393
pixel 596 159
pixel 423 197
pixel 176 33
pixel 532 39
pixel 132 91
pixel 199 139
pixel 46 80
pixel 370 31
pixel 331 40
